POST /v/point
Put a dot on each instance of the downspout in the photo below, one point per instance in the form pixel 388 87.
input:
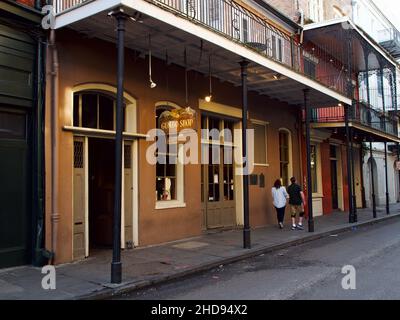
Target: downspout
pixel 54 143
pixel 302 25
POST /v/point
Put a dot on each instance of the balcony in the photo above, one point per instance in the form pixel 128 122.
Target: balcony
pixel 242 26
pixel 361 115
pixel 390 40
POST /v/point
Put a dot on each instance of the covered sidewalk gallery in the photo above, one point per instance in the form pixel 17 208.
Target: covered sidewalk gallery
pixel 166 61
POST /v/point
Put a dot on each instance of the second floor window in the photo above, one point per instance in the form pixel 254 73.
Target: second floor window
pixel 310 68
pixel 277 48
pixel 380 84
pixel 316 10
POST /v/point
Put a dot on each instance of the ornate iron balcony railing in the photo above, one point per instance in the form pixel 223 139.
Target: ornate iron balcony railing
pixel 360 113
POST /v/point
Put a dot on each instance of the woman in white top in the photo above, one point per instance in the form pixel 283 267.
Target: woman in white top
pixel 279 196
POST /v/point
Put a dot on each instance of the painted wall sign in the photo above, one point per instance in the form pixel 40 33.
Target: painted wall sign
pixel 178 119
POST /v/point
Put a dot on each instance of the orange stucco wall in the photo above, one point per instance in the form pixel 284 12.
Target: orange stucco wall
pixel 89 60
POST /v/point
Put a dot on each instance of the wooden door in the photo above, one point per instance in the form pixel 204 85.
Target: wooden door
pixel 80 199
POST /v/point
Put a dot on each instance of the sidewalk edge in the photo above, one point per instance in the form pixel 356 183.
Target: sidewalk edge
pixel 248 253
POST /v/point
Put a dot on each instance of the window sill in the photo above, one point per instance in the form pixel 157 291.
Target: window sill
pixel 317 195
pixel 261 164
pixel 170 204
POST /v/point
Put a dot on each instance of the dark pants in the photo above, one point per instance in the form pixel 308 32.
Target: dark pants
pixel 280 213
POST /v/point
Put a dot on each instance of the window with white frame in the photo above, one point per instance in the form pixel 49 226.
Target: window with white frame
pixel 277 48
pixel 169 171
pixel 316 10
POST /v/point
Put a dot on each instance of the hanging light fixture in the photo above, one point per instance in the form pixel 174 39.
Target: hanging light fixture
pixel 152 83
pixel 209 96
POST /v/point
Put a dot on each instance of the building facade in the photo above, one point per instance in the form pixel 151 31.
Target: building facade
pixel 373 108
pixel 169 71
pixel 370 18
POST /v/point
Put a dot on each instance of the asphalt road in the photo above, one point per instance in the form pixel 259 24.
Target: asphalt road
pixel 308 271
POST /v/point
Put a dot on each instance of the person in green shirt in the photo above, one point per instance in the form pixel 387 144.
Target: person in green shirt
pixel 296 204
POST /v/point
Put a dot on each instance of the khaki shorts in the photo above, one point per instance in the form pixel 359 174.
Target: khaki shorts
pixel 296 210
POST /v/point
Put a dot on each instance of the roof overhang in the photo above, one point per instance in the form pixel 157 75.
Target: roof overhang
pixel 20 10
pixel 173 33
pixel 363 131
pixel 332 33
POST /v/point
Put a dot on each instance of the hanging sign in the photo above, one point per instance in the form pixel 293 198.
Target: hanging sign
pixel 177 119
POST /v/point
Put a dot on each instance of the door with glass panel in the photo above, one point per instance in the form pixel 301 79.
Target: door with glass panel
pixel 217 179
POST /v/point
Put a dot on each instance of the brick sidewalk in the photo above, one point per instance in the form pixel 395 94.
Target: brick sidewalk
pixel 147 266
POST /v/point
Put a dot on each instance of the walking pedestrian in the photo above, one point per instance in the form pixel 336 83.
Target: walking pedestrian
pixel 279 196
pixel 296 204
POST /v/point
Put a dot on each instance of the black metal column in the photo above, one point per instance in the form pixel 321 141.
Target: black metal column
pixel 307 111
pixel 386 181
pixel 395 116
pixel 246 227
pixel 116 265
pixel 353 176
pixel 398 160
pixel 372 181
pixel 349 173
pixel 384 128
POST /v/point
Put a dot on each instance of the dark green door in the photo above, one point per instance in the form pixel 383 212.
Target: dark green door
pixel 17 56
pixel 15 245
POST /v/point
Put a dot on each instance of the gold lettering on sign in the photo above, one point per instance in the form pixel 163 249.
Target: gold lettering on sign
pixel 178 119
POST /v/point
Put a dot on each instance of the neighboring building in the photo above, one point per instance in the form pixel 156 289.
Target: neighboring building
pixel 328 28
pixel 172 201
pixel 21 134
pixel 313 10
pixel 370 18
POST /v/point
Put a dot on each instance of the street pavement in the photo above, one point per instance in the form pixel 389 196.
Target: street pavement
pixel 148 266
pixel 308 271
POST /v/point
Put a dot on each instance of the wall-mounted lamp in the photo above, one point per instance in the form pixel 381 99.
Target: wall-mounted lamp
pixel 209 96
pixel 136 17
pixel 152 83
pixel 276 76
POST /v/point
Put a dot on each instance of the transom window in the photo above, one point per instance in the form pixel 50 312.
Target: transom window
pixel 94 110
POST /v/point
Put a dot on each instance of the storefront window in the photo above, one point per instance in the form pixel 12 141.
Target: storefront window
pixel 166 173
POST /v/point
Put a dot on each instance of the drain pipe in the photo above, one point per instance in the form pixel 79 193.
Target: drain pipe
pixel 55 216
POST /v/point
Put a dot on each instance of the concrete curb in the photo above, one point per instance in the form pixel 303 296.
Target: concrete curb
pixel 113 291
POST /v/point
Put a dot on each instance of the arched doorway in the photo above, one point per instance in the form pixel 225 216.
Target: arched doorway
pixel 93 124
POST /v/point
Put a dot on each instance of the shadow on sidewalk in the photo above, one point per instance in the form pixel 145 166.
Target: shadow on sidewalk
pixel 148 265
